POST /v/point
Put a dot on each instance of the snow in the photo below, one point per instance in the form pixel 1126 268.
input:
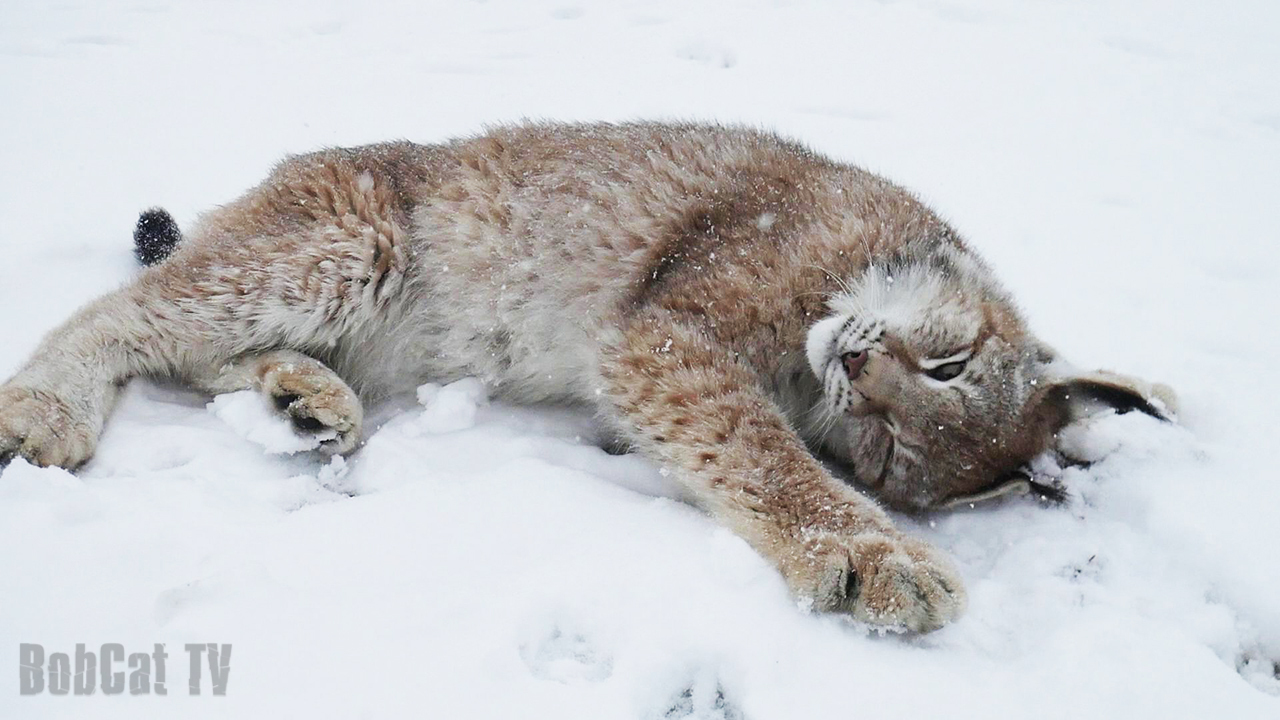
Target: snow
pixel 452 407
pixel 249 414
pixel 1116 163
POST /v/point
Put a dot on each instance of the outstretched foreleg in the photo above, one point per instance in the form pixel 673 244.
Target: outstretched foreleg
pixel 693 406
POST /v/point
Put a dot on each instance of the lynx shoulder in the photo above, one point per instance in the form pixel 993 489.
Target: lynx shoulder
pixel 740 309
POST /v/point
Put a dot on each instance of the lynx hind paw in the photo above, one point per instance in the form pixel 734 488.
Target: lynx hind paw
pixel 316 401
pixel 893 582
pixel 44 429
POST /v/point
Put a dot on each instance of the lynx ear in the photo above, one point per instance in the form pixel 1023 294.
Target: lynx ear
pixel 1016 483
pixel 1065 399
pixel 1066 395
pixel 1085 395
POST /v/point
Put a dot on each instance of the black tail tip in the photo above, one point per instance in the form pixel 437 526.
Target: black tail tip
pixel 155 236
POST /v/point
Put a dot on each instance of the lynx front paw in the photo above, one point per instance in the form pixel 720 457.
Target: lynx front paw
pixel 44 428
pixel 883 580
pixel 317 401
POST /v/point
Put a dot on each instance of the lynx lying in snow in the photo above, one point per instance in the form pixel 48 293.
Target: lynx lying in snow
pixel 734 305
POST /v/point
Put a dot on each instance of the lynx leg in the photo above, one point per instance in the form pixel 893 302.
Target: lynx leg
pixel 53 409
pixel 698 411
pixel 304 390
pixel 311 256
pixel 52 427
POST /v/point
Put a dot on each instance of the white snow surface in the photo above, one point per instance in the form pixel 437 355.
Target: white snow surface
pixel 250 415
pixel 1117 163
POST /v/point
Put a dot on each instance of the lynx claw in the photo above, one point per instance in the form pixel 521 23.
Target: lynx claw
pixel 888 581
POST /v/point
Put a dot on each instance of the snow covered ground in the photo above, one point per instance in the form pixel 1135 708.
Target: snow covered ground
pixel 1117 163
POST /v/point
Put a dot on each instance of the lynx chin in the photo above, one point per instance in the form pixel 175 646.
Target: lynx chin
pixel 797 340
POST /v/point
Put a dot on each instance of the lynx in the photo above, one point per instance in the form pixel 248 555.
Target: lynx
pixel 797 340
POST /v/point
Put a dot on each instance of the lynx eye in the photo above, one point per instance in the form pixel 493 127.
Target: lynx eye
pixel 949 371
pixel 946 368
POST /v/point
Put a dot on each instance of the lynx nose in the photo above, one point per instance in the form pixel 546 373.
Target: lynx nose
pixel 854 362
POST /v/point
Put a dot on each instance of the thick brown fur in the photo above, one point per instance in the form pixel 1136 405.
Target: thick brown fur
pixel 705 289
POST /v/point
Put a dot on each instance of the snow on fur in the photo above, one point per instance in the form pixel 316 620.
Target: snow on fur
pixel 1114 162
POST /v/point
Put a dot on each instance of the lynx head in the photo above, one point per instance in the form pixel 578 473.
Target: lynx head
pixel 933 390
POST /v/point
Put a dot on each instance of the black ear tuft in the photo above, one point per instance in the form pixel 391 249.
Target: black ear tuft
pixel 1109 393
pixel 155 236
pixel 1051 492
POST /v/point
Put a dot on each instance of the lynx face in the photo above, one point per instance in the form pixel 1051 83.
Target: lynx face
pixel 929 380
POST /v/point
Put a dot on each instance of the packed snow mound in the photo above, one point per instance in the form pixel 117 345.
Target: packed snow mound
pixel 452 407
pixel 250 414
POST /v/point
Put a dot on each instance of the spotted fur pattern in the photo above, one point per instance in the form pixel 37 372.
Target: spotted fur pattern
pixel 700 287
